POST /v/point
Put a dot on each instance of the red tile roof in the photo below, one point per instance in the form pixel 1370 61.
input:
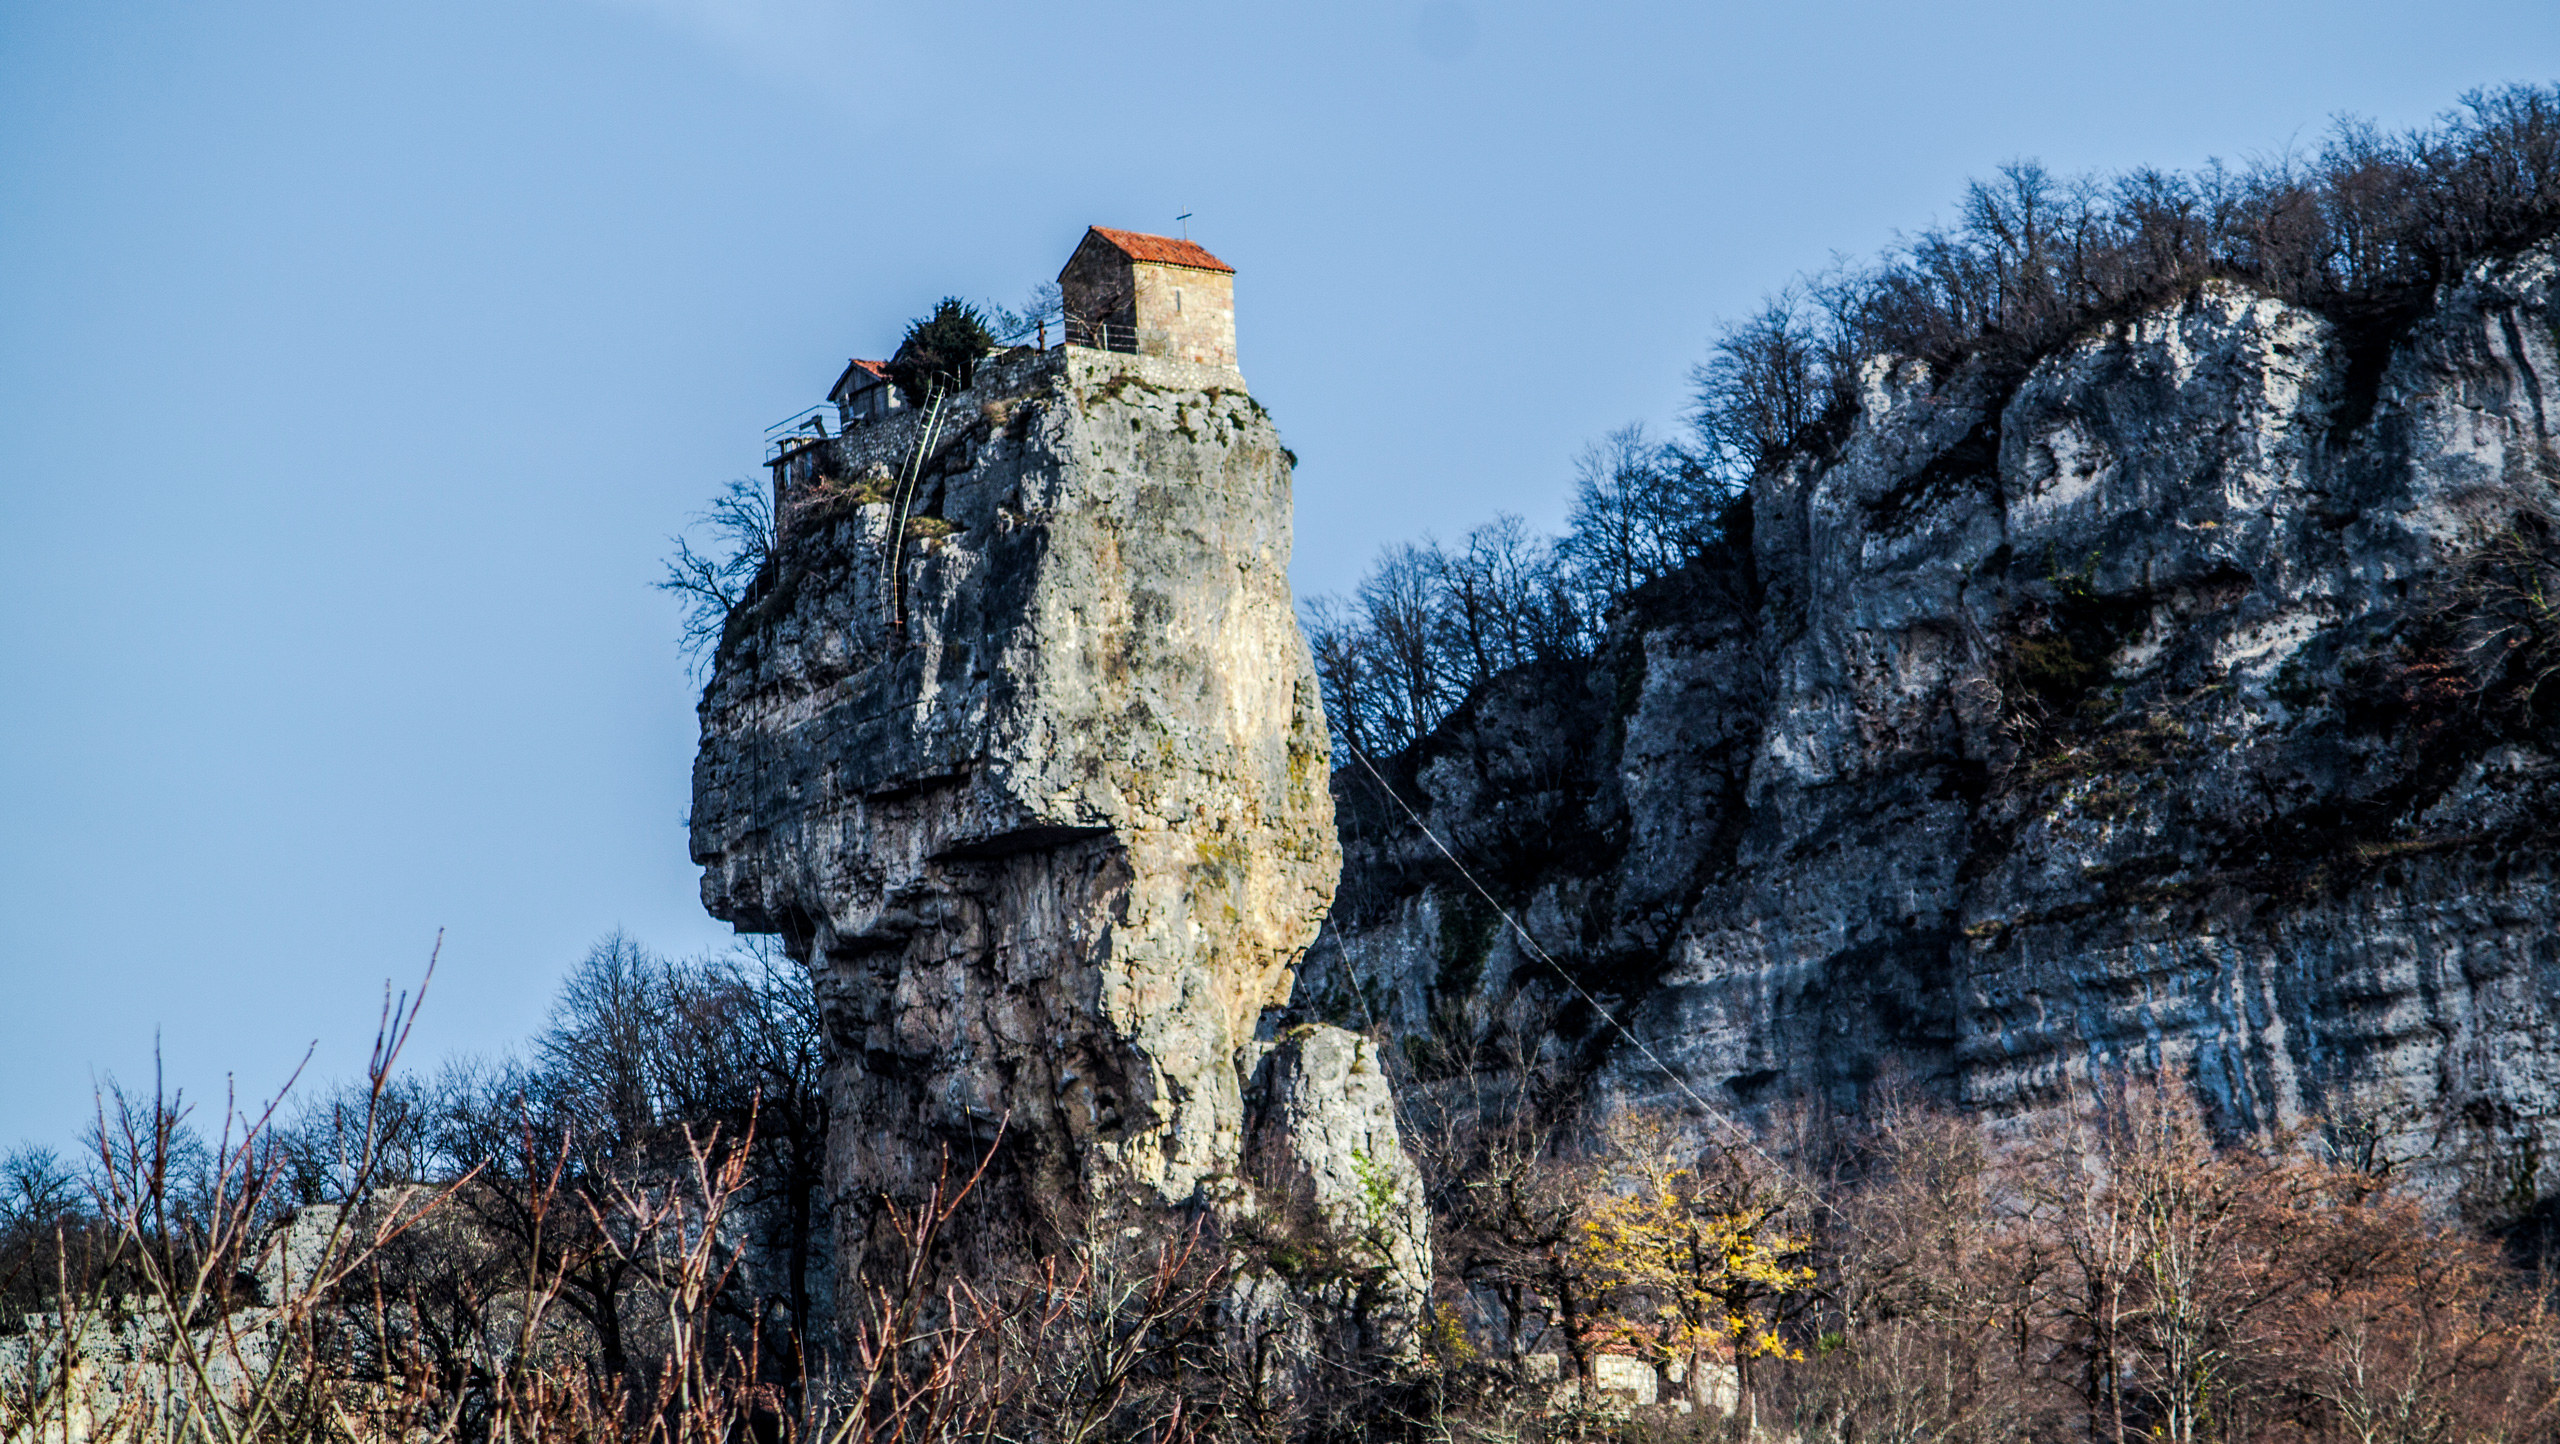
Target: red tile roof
pixel 1164 250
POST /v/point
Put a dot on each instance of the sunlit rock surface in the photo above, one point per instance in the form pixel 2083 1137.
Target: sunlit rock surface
pixel 2130 711
pixel 1042 799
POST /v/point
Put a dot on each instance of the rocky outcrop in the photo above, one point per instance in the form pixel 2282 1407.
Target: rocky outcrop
pixel 1328 1158
pixel 2171 702
pixel 1035 786
pixel 113 1365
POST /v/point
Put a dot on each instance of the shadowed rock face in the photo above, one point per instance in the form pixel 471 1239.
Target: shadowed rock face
pixel 1052 835
pixel 2130 712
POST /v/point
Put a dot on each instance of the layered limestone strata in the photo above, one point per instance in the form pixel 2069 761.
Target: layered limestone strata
pixel 2130 711
pixel 1038 792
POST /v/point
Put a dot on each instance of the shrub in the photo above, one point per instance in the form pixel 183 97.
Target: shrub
pixel 941 350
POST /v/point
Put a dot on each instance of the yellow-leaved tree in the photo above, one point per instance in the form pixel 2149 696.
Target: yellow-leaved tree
pixel 1688 1251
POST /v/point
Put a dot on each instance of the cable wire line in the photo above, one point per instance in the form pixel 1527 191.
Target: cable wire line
pixel 1531 943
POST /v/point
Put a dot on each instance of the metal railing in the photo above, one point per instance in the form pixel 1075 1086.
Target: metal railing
pixel 802 428
pixel 1101 335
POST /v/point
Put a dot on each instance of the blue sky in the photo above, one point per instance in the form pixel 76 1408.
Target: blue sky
pixel 357 358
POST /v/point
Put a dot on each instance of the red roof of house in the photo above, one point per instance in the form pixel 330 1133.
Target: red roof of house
pixel 1164 250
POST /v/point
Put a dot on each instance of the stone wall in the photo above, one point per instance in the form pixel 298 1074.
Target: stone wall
pixel 1186 314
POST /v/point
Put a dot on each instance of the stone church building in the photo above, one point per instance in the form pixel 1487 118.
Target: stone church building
pixel 1152 295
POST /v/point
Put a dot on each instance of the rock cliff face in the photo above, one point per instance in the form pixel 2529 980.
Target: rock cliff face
pixel 1325 1140
pixel 1038 791
pixel 2170 703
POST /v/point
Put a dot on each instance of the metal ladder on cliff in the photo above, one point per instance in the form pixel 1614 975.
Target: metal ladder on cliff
pixel 893 576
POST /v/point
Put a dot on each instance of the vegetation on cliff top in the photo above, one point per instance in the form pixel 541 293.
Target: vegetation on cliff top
pixel 2363 230
pixel 941 350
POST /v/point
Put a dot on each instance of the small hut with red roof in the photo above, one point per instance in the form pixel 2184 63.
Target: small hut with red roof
pixel 1153 295
pixel 864 392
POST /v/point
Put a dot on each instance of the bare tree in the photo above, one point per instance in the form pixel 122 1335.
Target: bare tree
pixel 1505 601
pixel 712 584
pixel 1379 656
pixel 1641 510
pixel 1768 383
pixel 1041 314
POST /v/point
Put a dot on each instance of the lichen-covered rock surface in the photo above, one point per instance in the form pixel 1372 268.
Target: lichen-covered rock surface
pixel 1039 794
pixel 1327 1156
pixel 2171 702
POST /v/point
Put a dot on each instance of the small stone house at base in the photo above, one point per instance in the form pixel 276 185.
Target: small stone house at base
pixel 1153 295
